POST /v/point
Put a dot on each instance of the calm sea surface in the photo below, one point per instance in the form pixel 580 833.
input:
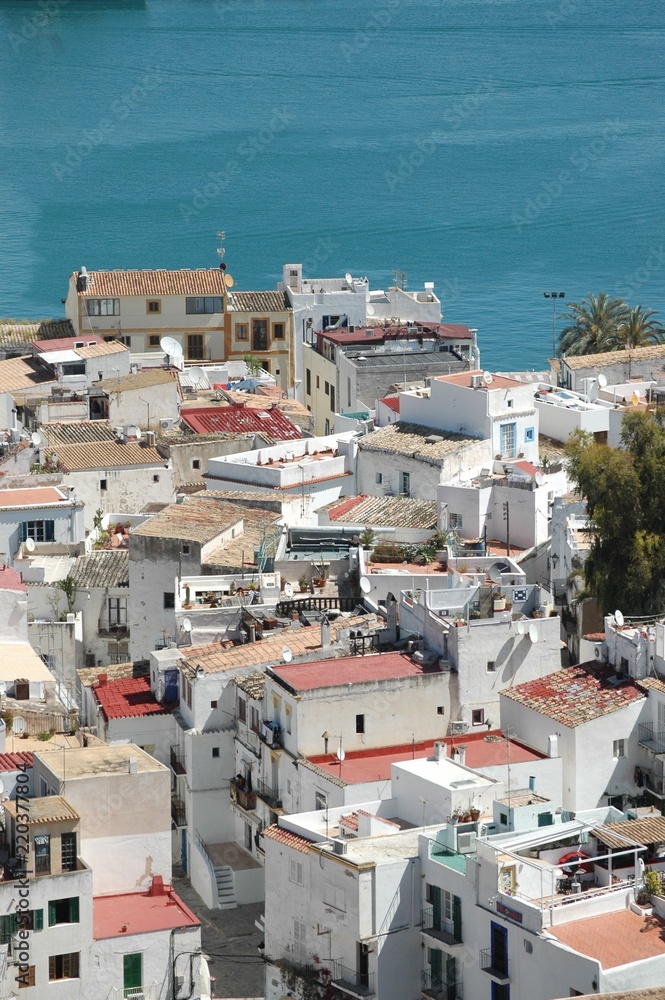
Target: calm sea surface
pixel 496 147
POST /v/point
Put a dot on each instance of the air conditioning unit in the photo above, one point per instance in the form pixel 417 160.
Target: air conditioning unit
pixel 476 381
pixel 458 728
pixel 339 847
pixel 601 653
pixel 166 423
pixel 466 843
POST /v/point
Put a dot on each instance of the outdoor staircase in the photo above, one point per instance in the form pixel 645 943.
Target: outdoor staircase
pixel 486 596
pixel 226 893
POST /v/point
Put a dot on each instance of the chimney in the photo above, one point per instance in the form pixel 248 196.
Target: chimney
pixel 552 746
pixel 133 765
pixel 440 750
pixel 251 628
pixel 325 633
pixel 82 280
pixel 102 680
pixel 157 886
pixel 532 782
pixel 461 755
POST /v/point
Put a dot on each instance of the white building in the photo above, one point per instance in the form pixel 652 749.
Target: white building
pixel 562 411
pixel 639 363
pixel 148 399
pixel 80 362
pixel 50 516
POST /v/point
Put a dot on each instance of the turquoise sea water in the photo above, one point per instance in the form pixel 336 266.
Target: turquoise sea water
pixel 496 147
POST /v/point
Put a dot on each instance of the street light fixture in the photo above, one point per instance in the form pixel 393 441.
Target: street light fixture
pixel 554 296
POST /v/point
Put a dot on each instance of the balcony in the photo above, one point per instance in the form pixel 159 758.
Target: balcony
pixel 271 734
pixel 177 761
pixel 436 987
pixel 242 797
pixel 248 737
pixel 651 737
pixel 271 796
pixel 356 984
pixel 178 811
pixel 441 929
pixel 497 969
pixel 109 630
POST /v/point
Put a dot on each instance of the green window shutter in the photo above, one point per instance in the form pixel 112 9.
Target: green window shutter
pixel 133 971
pixel 74 910
pixel 38 920
pixel 8 926
pixel 52 917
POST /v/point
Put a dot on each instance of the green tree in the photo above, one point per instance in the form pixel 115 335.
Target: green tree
pixel 638 329
pixel 591 324
pixel 254 365
pixel 624 489
pixel 70 590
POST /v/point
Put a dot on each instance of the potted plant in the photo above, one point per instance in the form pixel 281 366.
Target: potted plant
pixel 302 583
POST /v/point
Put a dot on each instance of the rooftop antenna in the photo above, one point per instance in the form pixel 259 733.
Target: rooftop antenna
pixel 400 278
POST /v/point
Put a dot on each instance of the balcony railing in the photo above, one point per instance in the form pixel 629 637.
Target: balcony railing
pixel 655 782
pixel 177 761
pixel 271 734
pixel 178 812
pixel 652 737
pixel 248 737
pixel 441 929
pixel 271 796
pixel 242 797
pixel 437 987
pixel 358 984
pixel 496 969
pixel 107 631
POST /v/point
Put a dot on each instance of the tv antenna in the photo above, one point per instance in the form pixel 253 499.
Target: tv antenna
pixel 400 278
pixel 221 249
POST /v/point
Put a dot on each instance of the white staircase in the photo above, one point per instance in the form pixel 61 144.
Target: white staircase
pixel 226 893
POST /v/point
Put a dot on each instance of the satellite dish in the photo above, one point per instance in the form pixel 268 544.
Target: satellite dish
pixel 593 392
pixel 197 374
pixel 521 628
pixel 138 433
pixel 30 544
pixel 160 688
pixel 602 380
pixel 370 309
pixel 171 347
pixel 228 280
pixel 488 378
pixel 18 725
pixel 36 439
pixel 288 590
pixel 365 585
pixel 494 573
pixel 287 654
pixel 2 788
pixel 533 632
pixel 187 625
pixel 340 753
pixel 618 618
pixel 539 477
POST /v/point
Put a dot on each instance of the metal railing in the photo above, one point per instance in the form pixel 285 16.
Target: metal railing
pixel 271 734
pixel 242 797
pixel 495 968
pixel 109 631
pixel 437 987
pixel 177 760
pixel 359 984
pixel 178 811
pixel 442 929
pixel 271 796
pixel 652 737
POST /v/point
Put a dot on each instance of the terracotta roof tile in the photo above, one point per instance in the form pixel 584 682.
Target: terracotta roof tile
pixel 200 281
pixel 409 439
pixel 15 761
pixel 100 350
pixel 103 568
pixel 32 496
pixel 127 697
pixel 575 695
pixel 196 520
pixel 76 432
pixel 655 352
pixel 260 302
pixel 387 511
pixel 16 334
pixel 464 379
pixel 24 373
pixel 139 380
pixel 392 402
pixel 269 421
pixel 253 685
pixel 49 809
pixel 105 455
pixel 287 838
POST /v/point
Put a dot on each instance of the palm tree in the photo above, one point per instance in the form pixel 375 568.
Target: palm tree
pixel 591 323
pixel 638 329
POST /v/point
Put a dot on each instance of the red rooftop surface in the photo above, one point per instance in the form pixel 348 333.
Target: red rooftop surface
pixel 10 580
pixel 392 402
pixel 31 497
pixel 526 467
pixel 15 761
pixel 66 343
pixel 347 670
pixel 287 838
pixel 483 749
pixel 464 378
pixel 127 696
pixel 140 913
pixel 614 939
pixel 241 419
pixel 575 695
pixel 379 334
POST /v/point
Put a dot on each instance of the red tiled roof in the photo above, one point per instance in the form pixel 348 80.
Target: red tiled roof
pixel 140 913
pixel 66 343
pixel 15 761
pixel 388 511
pixel 525 466
pixel 287 838
pixel 127 697
pixel 200 281
pixel 241 419
pixel 575 695
pixel 10 580
pixel 613 939
pixel 32 496
pixel 392 402
pixel 347 670
pixel 349 822
pixel 464 378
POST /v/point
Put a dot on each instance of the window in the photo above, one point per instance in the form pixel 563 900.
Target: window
pixel 42 854
pixel 213 704
pixel 508 440
pixel 185 549
pixel 153 306
pixel 242 331
pixel 103 307
pixel 196 463
pixel 326 388
pixel 169 600
pixel 204 305
pixel 299 938
pixel 333 896
pixel 103 485
pixel 529 434
pixel 248 837
pixel 491 666
pixel 39 531
pixel 242 709
pixel 68 851
pixel 259 334
pixel 332 398
pixel 503 819
pixel 296 872
pixel 618 749
pixel 378 478
pixel 500 992
pixel 455 520
pixel 63 911
pixel 477 716
pixel 26 977
pixel 187 690
pixel 439 710
pixel 155 479
pixel 320 800
pixel 405 482
pixel 215 751
pixel 360 723
pixel 510 403
pixel 132 974
pixel 116 338
pixel 348 392
pixel 254 719
pixel 308 382
pixel 153 340
pixel 64 966
pixel 278 331
pixel 318 381
pixel 288 714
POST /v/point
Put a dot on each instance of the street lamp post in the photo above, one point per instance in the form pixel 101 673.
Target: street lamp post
pixel 554 296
